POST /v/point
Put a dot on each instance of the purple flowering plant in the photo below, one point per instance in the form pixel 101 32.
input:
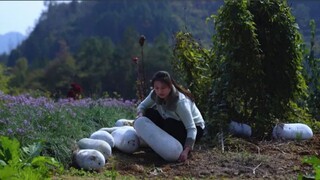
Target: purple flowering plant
pixel 58 123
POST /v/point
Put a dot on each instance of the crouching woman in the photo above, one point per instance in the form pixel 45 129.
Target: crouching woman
pixel 172 108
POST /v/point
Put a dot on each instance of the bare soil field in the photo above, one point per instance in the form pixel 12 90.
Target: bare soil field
pixel 241 159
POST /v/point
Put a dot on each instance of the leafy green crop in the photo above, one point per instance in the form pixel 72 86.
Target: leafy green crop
pixel 25 163
pixel 315 162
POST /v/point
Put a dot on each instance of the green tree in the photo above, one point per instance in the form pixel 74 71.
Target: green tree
pixel 93 64
pixel 23 79
pixel 34 82
pixel 124 70
pixel 60 72
pixel 19 76
pixel 158 55
pixel 4 79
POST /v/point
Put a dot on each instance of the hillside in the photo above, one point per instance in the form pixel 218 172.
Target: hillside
pixel 77 21
pixel 93 42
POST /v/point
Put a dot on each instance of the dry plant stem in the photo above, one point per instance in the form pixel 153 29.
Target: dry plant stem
pixel 277 148
pixel 143 71
pixel 254 169
pixel 258 149
pixel 222 142
pixel 140 81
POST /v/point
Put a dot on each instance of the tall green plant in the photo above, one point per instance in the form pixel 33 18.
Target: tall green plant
pixel 257 45
pixel 237 88
pixel 281 45
pixel 312 75
pixel 192 64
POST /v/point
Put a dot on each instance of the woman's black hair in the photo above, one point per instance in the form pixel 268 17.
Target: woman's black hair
pixel 164 77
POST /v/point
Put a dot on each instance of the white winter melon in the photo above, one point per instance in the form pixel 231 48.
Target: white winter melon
pixel 123 122
pixel 292 131
pixel 111 129
pixel 160 141
pixel 90 159
pixel 97 144
pixel 239 129
pixel 142 143
pixel 126 140
pixel 103 135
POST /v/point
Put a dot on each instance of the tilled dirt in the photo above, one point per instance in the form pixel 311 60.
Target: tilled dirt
pixel 239 159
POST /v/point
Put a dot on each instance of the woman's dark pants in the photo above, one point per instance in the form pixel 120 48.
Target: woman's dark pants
pixel 173 127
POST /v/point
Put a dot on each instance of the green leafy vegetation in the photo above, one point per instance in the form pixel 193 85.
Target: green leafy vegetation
pixel 25 163
pixel 315 163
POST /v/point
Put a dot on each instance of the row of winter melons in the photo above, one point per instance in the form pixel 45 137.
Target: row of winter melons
pixel 285 131
pixel 94 151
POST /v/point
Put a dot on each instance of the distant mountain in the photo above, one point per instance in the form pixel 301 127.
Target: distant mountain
pixel 9 41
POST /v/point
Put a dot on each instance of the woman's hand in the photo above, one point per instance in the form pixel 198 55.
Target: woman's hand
pixel 139 114
pixel 184 154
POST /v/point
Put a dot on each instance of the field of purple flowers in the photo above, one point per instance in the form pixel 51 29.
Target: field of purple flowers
pixel 58 124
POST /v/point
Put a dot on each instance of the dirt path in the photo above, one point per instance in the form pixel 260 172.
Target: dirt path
pixel 242 159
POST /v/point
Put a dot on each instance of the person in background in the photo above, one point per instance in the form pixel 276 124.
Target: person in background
pixel 172 108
